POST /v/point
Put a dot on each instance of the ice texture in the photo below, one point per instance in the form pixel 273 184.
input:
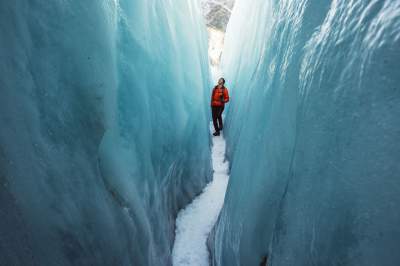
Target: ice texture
pixel 104 129
pixel 313 134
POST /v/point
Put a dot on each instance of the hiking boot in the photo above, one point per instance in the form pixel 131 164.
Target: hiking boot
pixel 216 133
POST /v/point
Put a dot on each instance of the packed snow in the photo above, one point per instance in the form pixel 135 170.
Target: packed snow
pixel 195 222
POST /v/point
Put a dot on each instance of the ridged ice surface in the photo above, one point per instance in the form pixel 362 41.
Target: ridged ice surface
pixel 313 134
pixel 104 130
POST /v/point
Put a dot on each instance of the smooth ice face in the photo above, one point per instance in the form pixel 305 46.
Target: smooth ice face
pixel 313 134
pixel 104 131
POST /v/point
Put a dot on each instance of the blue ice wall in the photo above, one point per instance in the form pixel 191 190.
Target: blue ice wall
pixel 313 134
pixel 104 130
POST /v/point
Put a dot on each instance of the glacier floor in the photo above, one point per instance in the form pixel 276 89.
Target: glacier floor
pixel 195 222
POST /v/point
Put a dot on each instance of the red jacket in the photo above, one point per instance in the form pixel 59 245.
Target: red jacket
pixel 219 96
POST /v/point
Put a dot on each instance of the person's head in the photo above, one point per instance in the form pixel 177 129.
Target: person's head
pixel 221 82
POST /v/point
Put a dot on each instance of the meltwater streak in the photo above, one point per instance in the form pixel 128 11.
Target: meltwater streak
pixel 195 222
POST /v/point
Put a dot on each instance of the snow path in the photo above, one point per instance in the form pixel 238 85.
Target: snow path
pixel 195 222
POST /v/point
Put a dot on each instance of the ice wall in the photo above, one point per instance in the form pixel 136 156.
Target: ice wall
pixel 104 134
pixel 313 134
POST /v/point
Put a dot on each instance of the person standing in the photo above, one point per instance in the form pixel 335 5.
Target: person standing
pixel 219 97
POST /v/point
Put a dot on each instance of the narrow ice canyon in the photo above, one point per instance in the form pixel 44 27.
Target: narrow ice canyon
pixel 104 137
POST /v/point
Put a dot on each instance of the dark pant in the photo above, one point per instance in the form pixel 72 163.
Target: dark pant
pixel 217 117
